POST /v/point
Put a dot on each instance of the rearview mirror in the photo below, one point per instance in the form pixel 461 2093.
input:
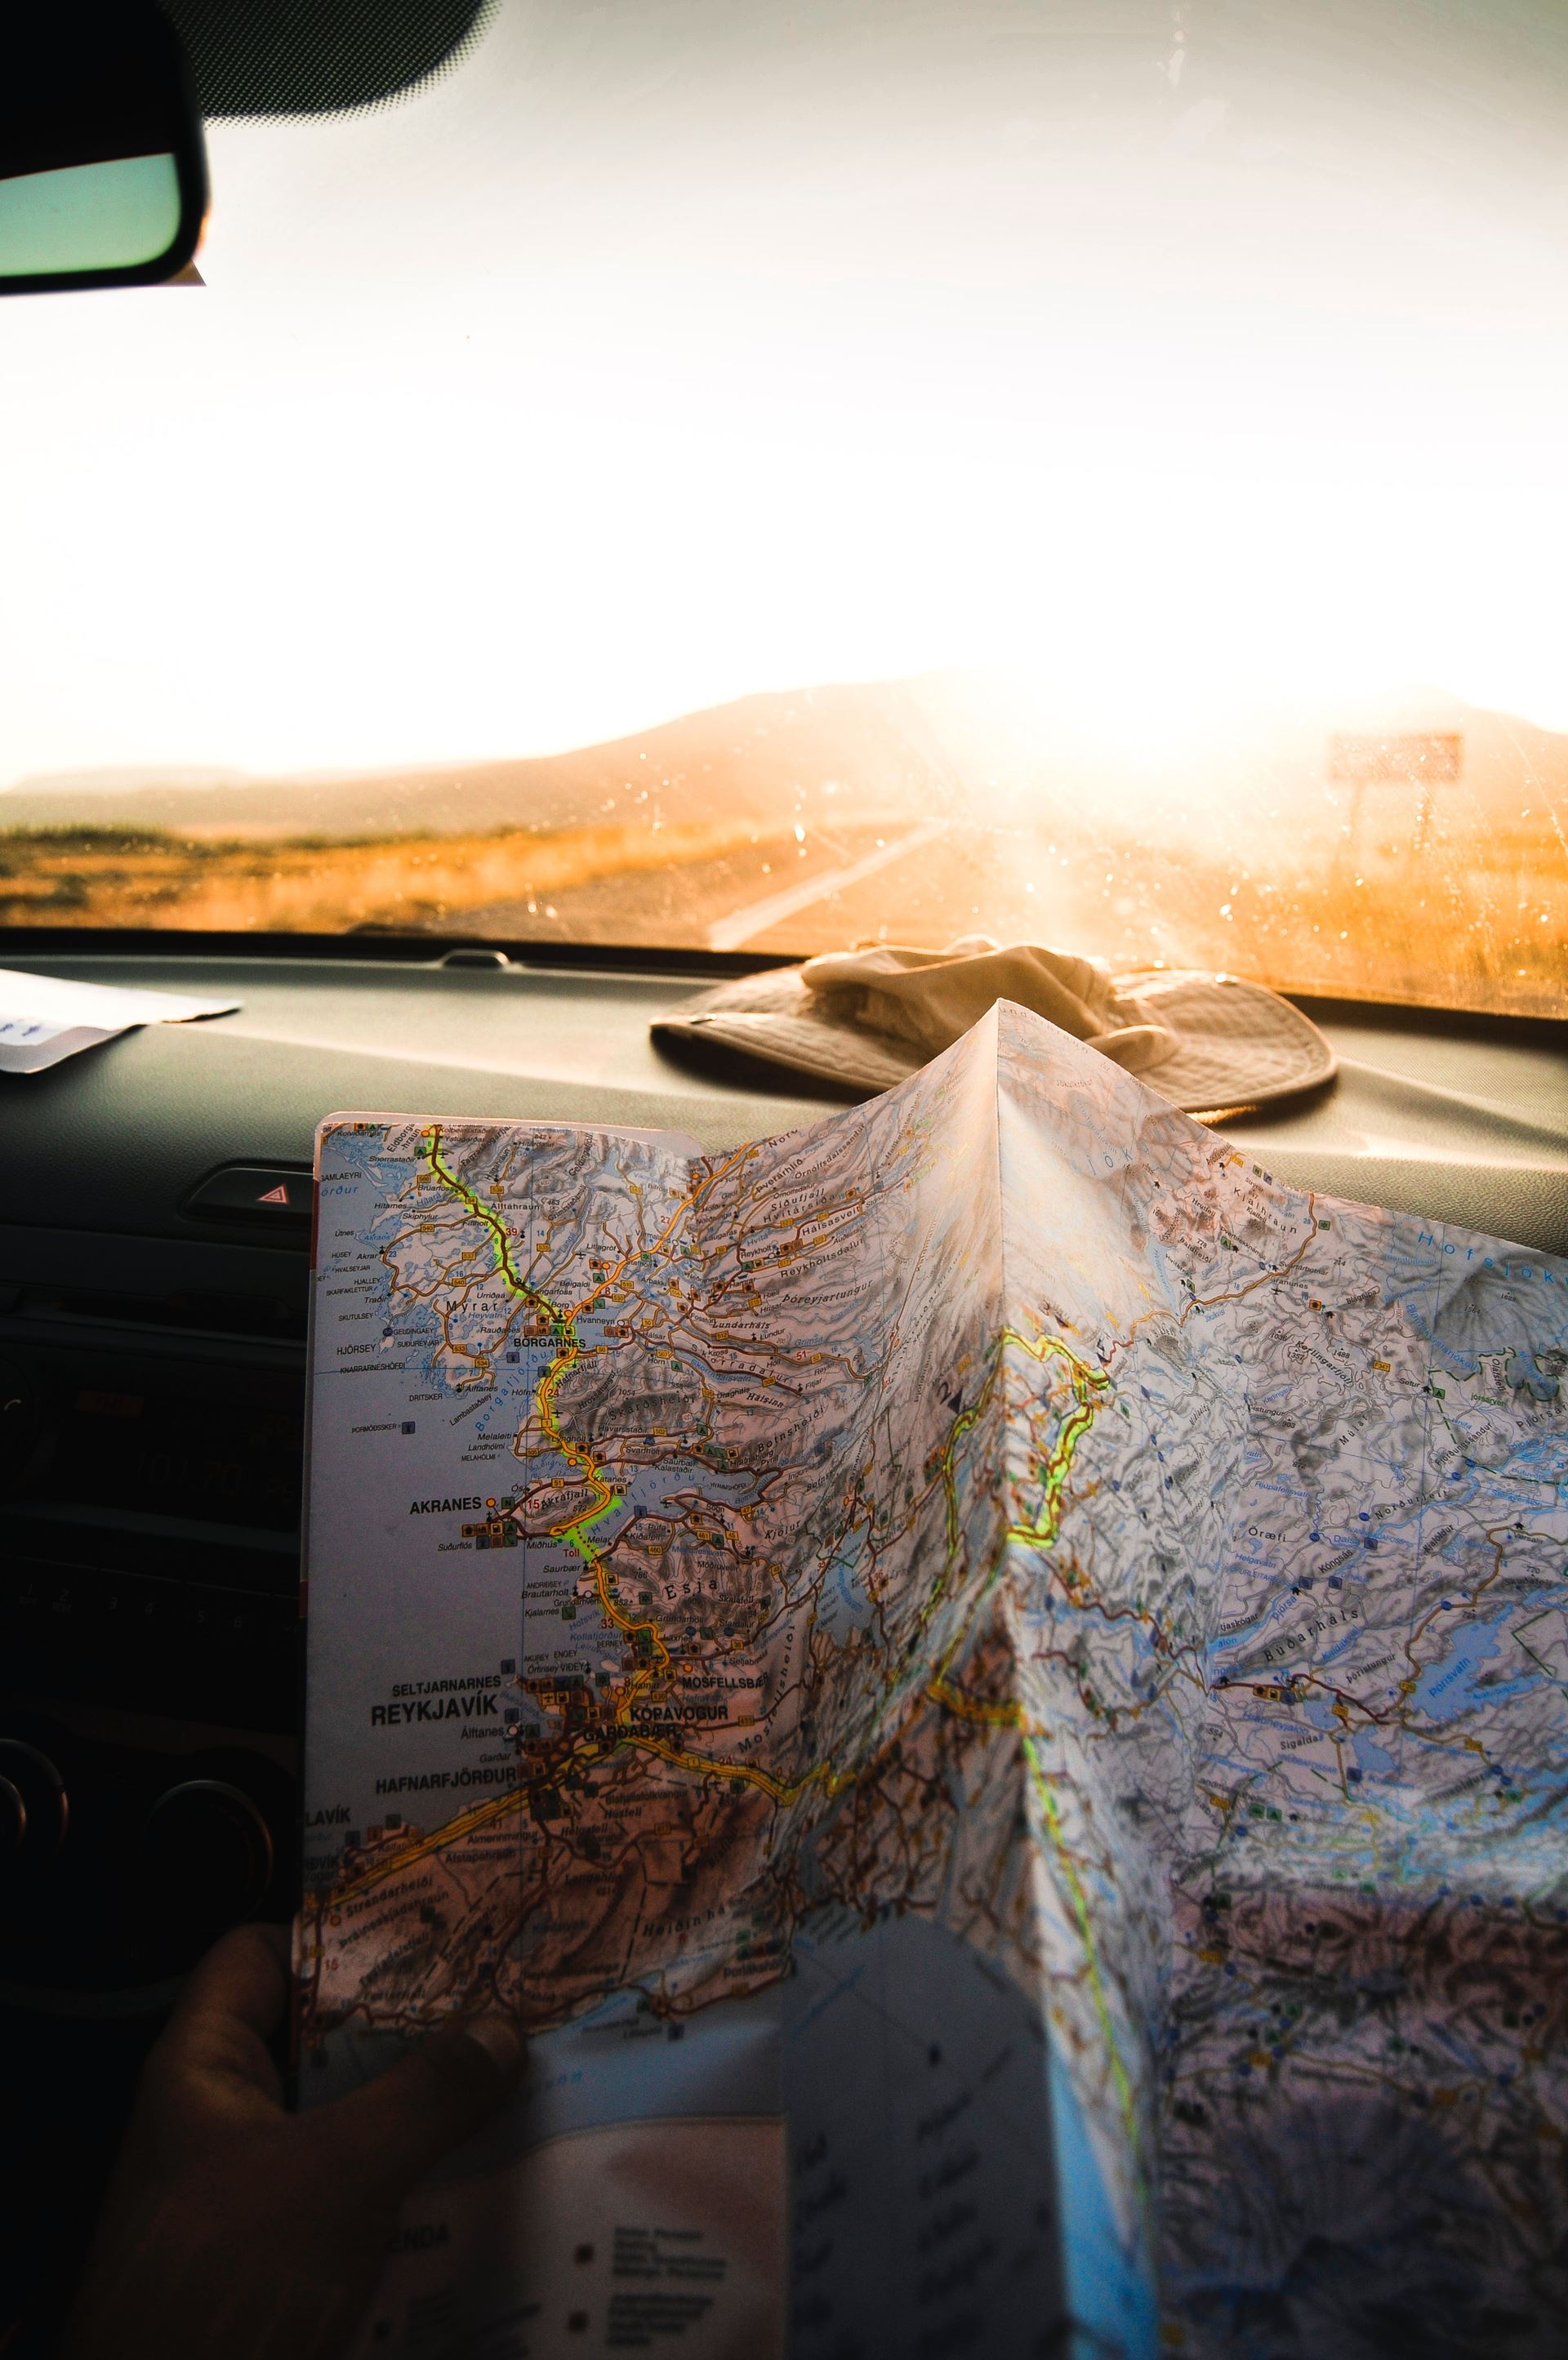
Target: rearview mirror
pixel 103 166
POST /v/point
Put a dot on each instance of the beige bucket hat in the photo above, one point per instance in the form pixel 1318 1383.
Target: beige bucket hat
pixel 870 1017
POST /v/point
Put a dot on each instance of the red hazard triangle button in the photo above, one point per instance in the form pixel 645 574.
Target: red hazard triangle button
pixel 271 1194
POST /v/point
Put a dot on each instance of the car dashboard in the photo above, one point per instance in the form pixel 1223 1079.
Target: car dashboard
pixel 154 1223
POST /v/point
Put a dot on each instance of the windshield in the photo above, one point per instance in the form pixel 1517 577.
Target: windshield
pixel 752 478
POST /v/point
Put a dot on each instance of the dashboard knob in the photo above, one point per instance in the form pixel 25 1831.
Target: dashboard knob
pixel 203 1862
pixel 13 1819
pixel 35 1813
pixel 35 1810
pixel 18 1418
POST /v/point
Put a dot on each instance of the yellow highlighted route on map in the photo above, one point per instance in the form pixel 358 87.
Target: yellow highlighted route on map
pixel 1054 1471
pixel 1119 2074
pixel 605 1500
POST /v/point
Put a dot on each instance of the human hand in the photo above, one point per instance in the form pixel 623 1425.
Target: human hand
pixel 234 2230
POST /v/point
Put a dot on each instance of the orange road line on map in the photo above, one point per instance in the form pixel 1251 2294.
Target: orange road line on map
pixel 778 1790
pixel 1207 1302
pixel 450 1831
pixel 990 1716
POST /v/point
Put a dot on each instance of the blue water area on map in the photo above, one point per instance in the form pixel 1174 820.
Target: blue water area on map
pixel 844 1606
pixel 676 1487
pixel 1447 1688
pixel 654 1489
pixel 1375 1761
pixel 1110 2295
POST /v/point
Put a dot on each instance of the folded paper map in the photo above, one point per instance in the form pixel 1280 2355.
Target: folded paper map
pixel 992 1687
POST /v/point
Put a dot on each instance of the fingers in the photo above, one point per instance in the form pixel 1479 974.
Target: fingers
pixel 393 2131
pixel 216 2039
pixel 244 1979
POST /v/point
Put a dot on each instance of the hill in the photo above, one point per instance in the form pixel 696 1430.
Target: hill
pixel 755 759
pixel 957 746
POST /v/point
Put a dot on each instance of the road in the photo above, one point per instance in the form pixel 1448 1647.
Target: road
pixel 926 882
pixel 744 925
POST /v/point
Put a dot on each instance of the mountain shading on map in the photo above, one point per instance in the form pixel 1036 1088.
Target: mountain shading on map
pixel 990 1686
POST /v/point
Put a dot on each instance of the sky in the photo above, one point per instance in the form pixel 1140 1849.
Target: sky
pixel 1161 355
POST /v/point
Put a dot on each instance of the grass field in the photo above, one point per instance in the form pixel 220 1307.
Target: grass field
pixel 1478 921
pixel 124 877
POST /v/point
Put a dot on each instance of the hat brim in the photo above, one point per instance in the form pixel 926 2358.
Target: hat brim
pixel 1239 1046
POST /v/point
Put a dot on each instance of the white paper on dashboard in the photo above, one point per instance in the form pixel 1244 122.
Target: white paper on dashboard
pixel 44 1018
